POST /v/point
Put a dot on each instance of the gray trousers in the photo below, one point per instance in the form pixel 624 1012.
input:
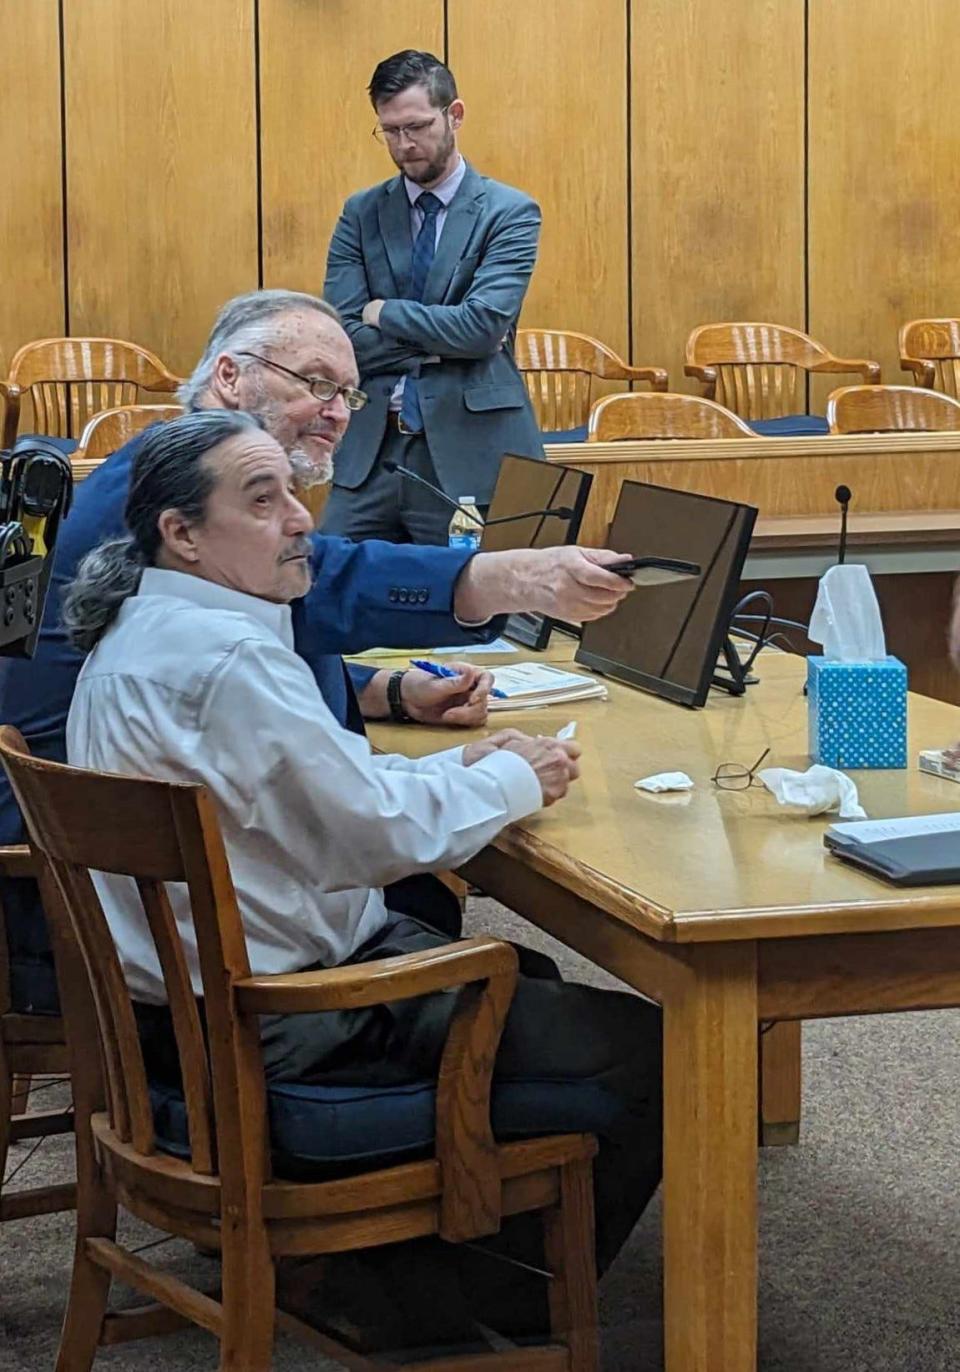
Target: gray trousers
pixel 388 505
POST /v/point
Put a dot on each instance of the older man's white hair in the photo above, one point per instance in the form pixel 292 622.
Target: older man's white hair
pixel 245 325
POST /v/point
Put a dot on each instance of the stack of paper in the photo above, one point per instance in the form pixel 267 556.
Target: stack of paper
pixel 533 683
pixel 942 762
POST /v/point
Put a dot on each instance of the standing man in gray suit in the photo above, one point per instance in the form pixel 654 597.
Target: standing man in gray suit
pixel 429 271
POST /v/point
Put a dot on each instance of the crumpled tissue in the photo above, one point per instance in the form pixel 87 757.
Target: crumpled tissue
pixel 665 781
pixel 817 791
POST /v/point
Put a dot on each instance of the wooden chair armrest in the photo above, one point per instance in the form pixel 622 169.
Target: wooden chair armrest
pixel 657 376
pixel 17 861
pixel 376 983
pixel 870 371
pixel 10 392
pixel 707 376
pixel 486 971
pixel 924 372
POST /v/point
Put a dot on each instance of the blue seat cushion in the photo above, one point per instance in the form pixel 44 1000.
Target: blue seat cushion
pixel 790 425
pixel 578 435
pixel 325 1128
pixel 66 445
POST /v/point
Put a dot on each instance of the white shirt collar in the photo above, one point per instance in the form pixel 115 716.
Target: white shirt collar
pixel 445 191
pixel 213 596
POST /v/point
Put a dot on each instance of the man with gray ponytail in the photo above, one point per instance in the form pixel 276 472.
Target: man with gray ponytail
pixel 283 355
pixel 193 677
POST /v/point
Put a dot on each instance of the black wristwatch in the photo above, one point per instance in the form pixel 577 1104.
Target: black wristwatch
pixel 395 700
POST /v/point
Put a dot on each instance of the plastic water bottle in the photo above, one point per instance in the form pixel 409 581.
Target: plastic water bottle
pixel 466 526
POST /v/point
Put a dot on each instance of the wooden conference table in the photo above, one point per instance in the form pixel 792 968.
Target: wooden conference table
pixel 729 913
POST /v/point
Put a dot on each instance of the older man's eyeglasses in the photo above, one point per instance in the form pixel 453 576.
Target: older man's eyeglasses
pixel 731 776
pixel 392 133
pixel 319 386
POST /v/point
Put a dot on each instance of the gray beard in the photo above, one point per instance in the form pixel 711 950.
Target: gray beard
pixel 307 473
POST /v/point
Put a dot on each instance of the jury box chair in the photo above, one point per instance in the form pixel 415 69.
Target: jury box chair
pixel 653 414
pixel 213 1162
pixel 110 429
pixel 559 370
pixel 930 349
pixel 759 370
pixel 890 409
pixel 70 379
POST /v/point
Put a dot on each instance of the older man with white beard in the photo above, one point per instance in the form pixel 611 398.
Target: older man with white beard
pixel 284 356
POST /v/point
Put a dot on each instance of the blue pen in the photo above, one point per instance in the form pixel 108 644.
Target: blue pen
pixel 436 669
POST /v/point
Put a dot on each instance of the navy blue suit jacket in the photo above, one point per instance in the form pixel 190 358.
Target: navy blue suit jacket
pixel 364 595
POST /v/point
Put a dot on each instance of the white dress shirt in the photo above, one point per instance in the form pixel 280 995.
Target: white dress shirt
pixel 195 682
pixel 445 192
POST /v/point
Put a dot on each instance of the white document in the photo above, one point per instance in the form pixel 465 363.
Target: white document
pixel 499 645
pixel 876 830
pixel 529 684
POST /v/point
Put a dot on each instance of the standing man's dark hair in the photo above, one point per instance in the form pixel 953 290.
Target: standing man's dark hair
pixel 412 68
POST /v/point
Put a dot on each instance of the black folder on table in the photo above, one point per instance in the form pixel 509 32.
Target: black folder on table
pixel 923 859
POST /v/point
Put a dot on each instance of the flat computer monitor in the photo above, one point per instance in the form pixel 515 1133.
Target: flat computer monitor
pixel 524 485
pixel 667 638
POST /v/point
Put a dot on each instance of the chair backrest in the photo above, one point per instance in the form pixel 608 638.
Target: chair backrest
pixel 653 414
pixel 930 348
pixel 110 429
pixel 890 409
pixel 154 832
pixel 759 370
pixel 71 379
pixel 559 369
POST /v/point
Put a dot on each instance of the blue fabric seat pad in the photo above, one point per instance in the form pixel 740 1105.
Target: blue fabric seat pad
pixel 790 425
pixel 327 1126
pixel 578 435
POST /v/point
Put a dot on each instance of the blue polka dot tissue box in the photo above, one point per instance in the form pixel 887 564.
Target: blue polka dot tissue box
pixel 857 712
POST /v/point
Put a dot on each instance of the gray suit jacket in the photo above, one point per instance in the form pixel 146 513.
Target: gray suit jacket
pixel 474 404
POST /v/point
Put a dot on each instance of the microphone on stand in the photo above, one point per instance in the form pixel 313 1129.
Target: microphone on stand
pixel 558 511
pixel 843 496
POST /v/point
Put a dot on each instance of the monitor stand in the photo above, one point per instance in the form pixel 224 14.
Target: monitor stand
pixel 737 681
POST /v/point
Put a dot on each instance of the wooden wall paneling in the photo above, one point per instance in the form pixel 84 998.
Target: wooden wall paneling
pixel 31 207
pixel 884 109
pixel 161 168
pixel 716 169
pixel 781 476
pixel 545 92
pixel 316 61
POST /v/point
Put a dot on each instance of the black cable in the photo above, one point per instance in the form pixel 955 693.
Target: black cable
pixel 23 1161
pixel 776 619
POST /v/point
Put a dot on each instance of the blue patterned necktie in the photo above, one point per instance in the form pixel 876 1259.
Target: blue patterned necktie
pixel 424 250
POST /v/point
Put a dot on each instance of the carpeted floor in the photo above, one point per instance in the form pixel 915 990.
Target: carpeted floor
pixel 860 1241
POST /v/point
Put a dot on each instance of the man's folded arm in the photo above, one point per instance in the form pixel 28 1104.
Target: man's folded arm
pixel 476 326
pixel 347 289
pixel 346 818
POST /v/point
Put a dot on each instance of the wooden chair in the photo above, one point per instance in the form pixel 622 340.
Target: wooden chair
pixel 110 429
pixel 930 348
pixel 652 414
pixel 759 370
pixel 559 370
pixel 30 1045
pixel 222 1192
pixel 70 379
pixel 890 409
